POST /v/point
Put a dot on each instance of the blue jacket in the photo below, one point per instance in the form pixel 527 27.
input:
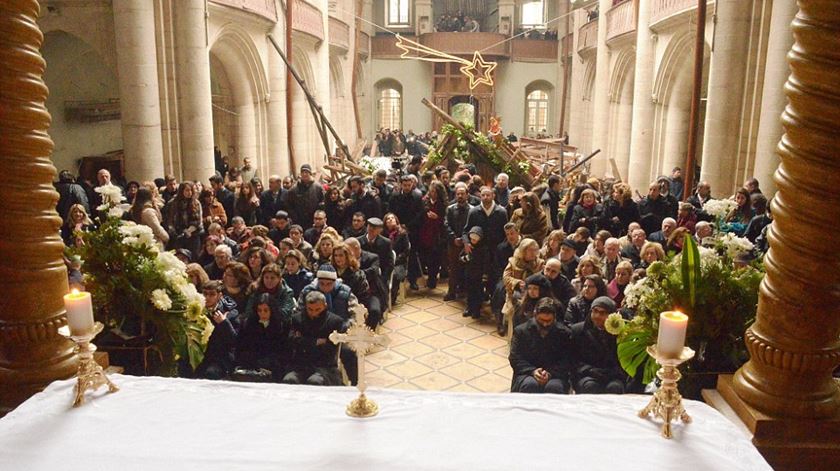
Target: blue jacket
pixel 339 301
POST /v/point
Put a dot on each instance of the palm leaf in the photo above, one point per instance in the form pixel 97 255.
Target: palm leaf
pixel 690 268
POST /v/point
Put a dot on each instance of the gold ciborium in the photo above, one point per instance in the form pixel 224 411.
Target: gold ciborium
pixel 666 402
pixel 90 375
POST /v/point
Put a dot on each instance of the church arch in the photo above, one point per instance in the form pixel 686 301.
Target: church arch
pixel 389 106
pixel 621 110
pixel 307 142
pixel 240 90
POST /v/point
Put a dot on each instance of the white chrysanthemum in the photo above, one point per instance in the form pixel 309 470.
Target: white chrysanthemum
pixel 191 294
pixel 116 211
pixel 735 245
pixel 719 208
pixel 111 194
pixel 161 300
pixel 636 293
pixel 168 261
pixel 707 256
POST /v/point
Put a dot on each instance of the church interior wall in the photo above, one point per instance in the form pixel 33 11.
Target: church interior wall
pixel 415 77
pixel 77 72
pixel 512 80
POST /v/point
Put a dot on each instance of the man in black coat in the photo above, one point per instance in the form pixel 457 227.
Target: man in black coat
pixel 551 200
pixel 223 195
pixel 219 359
pixel 362 201
pixel 653 208
pixel 597 370
pixel 314 358
pixel 541 353
pixel 375 243
pixel 491 218
pixel 633 252
pixel 303 199
pixel 568 259
pixel 382 188
pixel 408 207
pixel 271 201
pixel 222 256
pixel 281 226
pixel 561 287
pixel 69 193
pixel 456 218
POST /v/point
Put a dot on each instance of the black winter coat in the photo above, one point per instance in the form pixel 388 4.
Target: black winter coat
pixel 221 347
pixel 263 347
pixel 626 214
pixel 593 218
pixel 595 352
pixel 529 351
pixel 578 310
pixel 303 337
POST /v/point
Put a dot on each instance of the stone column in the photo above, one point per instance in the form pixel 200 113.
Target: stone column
pixel 641 134
pixel 795 341
pixel 32 354
pixel 726 90
pixel 278 152
pixel 322 76
pixel 576 103
pixel 601 96
pixel 195 110
pixel 134 31
pixel 773 99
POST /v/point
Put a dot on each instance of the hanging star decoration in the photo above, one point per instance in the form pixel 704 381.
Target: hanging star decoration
pixel 477 70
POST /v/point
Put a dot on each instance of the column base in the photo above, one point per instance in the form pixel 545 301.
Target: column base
pixel 787 444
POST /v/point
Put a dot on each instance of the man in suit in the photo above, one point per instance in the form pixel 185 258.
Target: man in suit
pixel 375 243
pixel 491 218
pixel 271 200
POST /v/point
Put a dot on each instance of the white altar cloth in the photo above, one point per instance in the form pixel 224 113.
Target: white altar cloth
pixel 178 424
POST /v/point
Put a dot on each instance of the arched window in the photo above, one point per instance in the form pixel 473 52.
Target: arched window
pixel 390 109
pixel 398 12
pixel 537 111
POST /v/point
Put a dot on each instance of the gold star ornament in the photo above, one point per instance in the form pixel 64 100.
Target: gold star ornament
pixel 479 71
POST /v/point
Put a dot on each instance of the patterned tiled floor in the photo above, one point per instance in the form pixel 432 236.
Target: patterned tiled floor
pixel 433 347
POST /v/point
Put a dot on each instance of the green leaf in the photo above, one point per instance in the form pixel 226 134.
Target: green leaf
pixel 632 350
pixel 690 268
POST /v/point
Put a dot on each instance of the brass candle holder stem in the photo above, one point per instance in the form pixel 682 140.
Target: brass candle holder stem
pixel 666 402
pixel 89 376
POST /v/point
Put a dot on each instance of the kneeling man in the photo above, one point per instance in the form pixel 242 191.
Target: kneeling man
pixel 314 356
pixel 541 352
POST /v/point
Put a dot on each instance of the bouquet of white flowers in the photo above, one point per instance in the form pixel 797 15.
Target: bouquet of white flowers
pixel 133 281
pixel 719 208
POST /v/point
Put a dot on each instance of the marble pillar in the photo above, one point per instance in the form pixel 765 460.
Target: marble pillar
pixel 32 354
pixel 195 111
pixel 601 98
pixel 134 32
pixel 725 93
pixel 773 99
pixel 278 151
pixel 641 134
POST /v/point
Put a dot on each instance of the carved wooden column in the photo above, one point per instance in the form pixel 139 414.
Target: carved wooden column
pixel 794 343
pixel 32 354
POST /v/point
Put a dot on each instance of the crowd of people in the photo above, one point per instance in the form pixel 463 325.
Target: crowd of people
pixel 457 23
pixel 282 266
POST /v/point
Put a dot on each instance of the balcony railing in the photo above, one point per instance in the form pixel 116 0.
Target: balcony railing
pixel 467 43
pixel 339 34
pixel 307 19
pixel 662 9
pixel 588 37
pixel 265 8
pixel 621 19
pixel 534 50
pixel 363 40
pixel 384 46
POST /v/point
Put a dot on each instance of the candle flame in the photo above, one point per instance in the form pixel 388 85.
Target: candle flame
pixel 74 291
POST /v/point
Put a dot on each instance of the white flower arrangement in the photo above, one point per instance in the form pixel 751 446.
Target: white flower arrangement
pixel 636 293
pixel 735 245
pixel 719 208
pixel 111 194
pixel 138 235
pixel 161 299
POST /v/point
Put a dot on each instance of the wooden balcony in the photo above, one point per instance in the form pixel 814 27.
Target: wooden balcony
pixel 363 40
pixel 459 44
pixel 588 37
pixel 264 8
pixel 307 19
pixel 621 20
pixel 339 35
pixel 534 50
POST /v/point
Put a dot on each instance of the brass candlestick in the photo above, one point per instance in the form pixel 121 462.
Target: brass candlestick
pixel 666 402
pixel 90 375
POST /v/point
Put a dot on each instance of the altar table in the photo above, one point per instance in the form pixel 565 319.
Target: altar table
pixel 178 424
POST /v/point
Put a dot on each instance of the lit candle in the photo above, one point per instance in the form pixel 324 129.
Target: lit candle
pixel 79 312
pixel 672 325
